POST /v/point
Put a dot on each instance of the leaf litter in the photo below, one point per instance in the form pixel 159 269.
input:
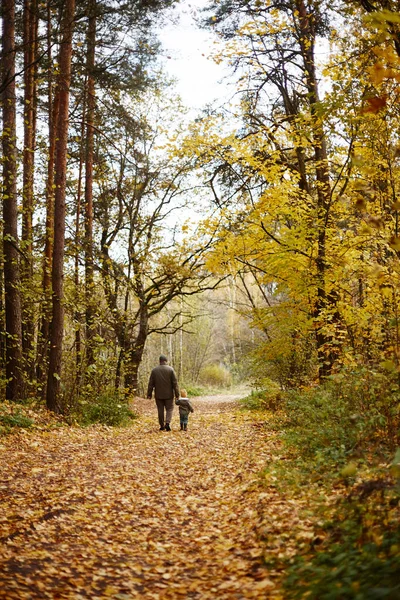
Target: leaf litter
pixel 137 513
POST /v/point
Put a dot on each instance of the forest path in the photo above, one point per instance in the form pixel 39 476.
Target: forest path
pixel 134 512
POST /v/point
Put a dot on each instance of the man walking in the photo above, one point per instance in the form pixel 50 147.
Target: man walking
pixel 165 385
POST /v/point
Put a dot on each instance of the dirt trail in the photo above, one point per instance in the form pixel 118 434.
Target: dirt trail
pixel 134 512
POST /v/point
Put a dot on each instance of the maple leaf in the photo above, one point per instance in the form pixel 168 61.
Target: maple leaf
pixel 375 104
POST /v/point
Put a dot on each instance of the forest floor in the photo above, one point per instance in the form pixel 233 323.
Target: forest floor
pixel 135 512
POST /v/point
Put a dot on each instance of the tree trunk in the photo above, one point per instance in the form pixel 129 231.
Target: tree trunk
pixel 14 374
pixel 53 397
pixel 2 311
pixel 30 45
pixel 78 316
pixel 118 370
pixel 91 104
pixel 307 38
pixel 135 353
pixel 43 346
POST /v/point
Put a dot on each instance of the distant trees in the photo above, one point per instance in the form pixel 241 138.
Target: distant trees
pixel 144 265
pixel 214 347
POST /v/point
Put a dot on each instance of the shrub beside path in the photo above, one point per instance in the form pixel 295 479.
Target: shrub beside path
pixel 137 513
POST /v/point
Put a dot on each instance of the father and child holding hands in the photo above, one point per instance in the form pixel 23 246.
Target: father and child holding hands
pixel 165 385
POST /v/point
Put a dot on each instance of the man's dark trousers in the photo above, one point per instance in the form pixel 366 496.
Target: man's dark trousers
pixel 168 405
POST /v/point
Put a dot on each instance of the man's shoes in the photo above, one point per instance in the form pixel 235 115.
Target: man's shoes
pixel 162 428
pixel 167 427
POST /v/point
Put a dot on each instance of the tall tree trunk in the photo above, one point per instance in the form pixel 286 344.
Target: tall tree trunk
pixel 307 42
pixel 43 346
pixel 78 319
pixel 2 311
pixel 30 45
pixel 53 397
pixel 14 374
pixel 91 104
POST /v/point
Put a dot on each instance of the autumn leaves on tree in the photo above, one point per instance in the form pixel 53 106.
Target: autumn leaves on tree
pixel 308 194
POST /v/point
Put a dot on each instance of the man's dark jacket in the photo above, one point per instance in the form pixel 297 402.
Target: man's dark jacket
pixel 163 381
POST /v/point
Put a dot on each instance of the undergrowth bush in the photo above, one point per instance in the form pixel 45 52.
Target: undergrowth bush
pixel 320 428
pixel 351 420
pixel 373 396
pixel 360 556
pixel 215 375
pixel 108 409
pixel 10 420
pixel 194 390
pixel 349 412
pixel 268 398
pixel 254 401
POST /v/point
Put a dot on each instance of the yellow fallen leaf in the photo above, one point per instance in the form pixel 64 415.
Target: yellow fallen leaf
pixel 263 584
pixel 110 591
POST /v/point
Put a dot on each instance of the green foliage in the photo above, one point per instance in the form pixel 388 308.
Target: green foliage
pixel 318 427
pixel 254 401
pixel 349 411
pixel 215 375
pixel 266 399
pixel 360 557
pixel 194 390
pixel 10 420
pixel 108 409
pixel 373 398
pixel 335 439
pixel 93 381
pixel 286 358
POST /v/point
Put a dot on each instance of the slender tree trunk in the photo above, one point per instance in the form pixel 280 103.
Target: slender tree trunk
pixel 307 39
pixel 91 104
pixel 43 346
pixel 118 370
pixel 14 374
pixel 30 45
pixel 180 371
pixel 232 306
pixel 2 311
pixel 78 319
pixel 53 397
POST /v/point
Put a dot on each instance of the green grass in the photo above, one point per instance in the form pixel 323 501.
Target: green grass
pixel 107 409
pixel 9 421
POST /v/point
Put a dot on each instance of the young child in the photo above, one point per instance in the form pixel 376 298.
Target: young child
pixel 185 407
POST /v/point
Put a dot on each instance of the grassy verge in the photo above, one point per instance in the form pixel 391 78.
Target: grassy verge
pixel 109 409
pixel 338 469
pixel 15 417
